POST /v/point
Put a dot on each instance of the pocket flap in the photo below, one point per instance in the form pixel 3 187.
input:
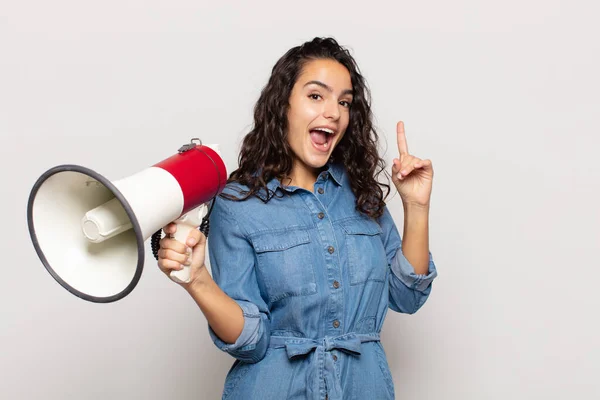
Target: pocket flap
pixel 361 226
pixel 280 240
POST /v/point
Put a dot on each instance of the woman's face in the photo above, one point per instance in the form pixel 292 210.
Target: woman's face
pixel 318 114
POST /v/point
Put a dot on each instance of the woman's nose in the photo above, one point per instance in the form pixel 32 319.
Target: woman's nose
pixel 332 110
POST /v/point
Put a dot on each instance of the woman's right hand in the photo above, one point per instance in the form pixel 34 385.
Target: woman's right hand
pixel 173 255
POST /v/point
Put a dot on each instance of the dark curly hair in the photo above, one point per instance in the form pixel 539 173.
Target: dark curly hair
pixel 266 154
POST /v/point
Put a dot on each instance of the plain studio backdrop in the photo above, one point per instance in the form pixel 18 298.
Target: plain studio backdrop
pixel 502 96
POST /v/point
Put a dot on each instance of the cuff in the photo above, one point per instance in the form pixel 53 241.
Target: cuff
pixel 405 272
pixel 250 334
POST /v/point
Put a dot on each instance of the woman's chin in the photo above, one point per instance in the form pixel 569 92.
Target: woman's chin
pixel 317 157
pixel 312 159
pixel 317 161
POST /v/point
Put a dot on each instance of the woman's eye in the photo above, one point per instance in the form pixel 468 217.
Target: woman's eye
pixel 314 96
pixel 345 103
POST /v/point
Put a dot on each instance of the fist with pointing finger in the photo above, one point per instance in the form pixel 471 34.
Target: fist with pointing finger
pixel 412 176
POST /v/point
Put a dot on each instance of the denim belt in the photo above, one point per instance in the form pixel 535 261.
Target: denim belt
pixel 323 366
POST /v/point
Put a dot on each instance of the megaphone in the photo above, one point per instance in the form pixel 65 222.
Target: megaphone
pixel 89 232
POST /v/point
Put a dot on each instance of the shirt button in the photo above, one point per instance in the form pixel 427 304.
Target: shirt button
pixel 321 215
pixel 325 175
pixel 320 190
pixel 336 324
pixel 336 284
pixel 330 249
pixel 334 357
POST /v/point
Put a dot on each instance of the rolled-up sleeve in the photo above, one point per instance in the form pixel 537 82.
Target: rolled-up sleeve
pixel 232 267
pixel 408 291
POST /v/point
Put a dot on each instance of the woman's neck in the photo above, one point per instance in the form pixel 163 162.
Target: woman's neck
pixel 303 176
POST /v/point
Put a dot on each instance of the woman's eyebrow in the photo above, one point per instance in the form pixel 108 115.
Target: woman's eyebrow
pixel 328 88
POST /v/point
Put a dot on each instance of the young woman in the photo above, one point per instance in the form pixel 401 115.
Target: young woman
pixel 304 254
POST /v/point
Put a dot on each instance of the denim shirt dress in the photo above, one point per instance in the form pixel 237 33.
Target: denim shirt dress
pixel 314 278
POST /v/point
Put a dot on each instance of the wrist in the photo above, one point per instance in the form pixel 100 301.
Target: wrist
pixel 416 216
pixel 415 208
pixel 201 281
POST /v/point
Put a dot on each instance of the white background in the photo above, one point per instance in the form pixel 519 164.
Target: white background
pixel 502 96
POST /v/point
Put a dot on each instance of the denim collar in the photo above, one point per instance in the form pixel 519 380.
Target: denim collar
pixel 333 170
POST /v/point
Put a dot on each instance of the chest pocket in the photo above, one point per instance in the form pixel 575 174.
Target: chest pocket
pixel 366 253
pixel 285 263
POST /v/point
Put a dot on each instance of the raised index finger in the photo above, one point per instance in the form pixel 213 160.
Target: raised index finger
pixel 402 145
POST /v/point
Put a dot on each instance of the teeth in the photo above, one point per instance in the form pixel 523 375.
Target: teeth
pixel 326 130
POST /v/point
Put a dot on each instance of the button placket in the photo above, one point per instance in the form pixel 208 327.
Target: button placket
pixel 327 234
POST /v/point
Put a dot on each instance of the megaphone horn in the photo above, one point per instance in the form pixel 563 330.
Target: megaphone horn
pixel 89 232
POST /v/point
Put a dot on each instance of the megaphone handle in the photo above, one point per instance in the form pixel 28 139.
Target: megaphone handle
pixel 183 231
pixel 185 224
pixel 181 235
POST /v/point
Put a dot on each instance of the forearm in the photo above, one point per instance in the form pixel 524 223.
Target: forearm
pixel 223 314
pixel 415 239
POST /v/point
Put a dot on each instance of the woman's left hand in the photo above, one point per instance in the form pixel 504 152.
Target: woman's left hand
pixel 412 176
